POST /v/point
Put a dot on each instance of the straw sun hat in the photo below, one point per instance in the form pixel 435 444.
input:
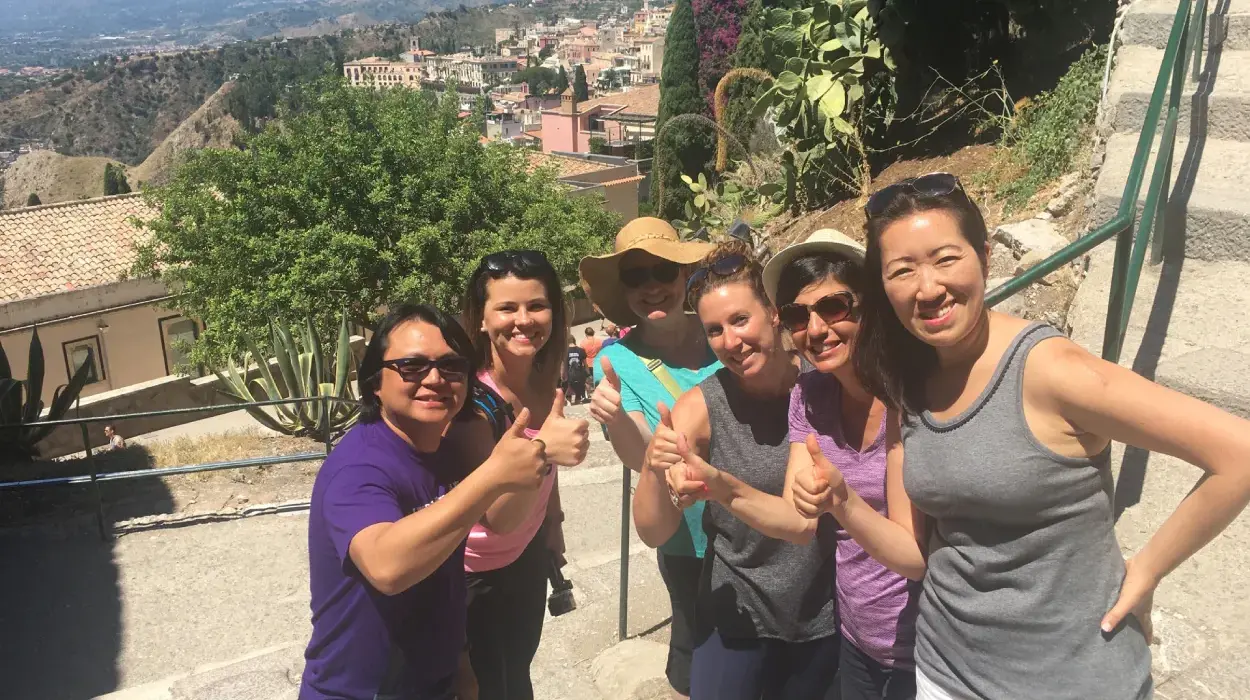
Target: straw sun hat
pixel 826 240
pixel 601 273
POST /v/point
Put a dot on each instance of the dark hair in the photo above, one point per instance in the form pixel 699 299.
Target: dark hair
pixel 590 331
pixel 525 265
pixel 892 363
pixel 370 371
pixel 802 272
pixel 751 273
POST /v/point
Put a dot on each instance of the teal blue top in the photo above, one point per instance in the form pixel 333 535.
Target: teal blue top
pixel 640 391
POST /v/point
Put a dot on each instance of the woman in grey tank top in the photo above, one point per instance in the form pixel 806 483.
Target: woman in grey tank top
pixel 1003 500
pixel 766 620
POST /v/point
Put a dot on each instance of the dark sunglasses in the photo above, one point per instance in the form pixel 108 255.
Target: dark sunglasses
pixel 512 261
pixel 452 368
pixel 663 272
pixel 723 267
pixel 931 185
pixel 833 308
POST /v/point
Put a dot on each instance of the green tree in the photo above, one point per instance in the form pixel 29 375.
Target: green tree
pixel 365 198
pixel 545 52
pixel 581 91
pixel 33 200
pixel 115 180
pixel 562 81
pixel 687 147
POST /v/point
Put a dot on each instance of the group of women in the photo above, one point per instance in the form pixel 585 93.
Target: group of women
pixel 862 482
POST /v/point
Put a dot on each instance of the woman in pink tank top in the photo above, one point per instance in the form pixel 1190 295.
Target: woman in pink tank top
pixel 514 312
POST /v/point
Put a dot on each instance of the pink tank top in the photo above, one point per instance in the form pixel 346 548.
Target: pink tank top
pixel 488 550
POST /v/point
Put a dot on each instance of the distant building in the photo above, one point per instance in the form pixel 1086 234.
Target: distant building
pixel 615 179
pixel 379 72
pixel 64 267
pixel 619 119
pixel 472 71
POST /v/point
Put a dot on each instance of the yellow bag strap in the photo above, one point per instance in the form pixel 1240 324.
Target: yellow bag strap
pixel 661 373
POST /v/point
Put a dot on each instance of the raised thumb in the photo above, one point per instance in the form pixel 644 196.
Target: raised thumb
pixel 521 423
pixel 818 456
pixel 666 416
pixel 557 405
pixel 610 374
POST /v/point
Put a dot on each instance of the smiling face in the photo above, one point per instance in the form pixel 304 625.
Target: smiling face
pixel 740 328
pixel 654 300
pixel 517 317
pixel 432 399
pixel 826 345
pixel 934 278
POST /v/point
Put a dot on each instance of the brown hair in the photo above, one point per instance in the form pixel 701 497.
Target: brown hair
pixel 751 273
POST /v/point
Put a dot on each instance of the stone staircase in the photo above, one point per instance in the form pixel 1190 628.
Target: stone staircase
pixel 1188 329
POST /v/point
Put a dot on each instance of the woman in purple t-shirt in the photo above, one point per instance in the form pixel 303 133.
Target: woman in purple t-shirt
pixel 515 314
pixel 816 285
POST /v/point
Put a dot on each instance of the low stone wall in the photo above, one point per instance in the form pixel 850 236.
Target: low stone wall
pixel 161 394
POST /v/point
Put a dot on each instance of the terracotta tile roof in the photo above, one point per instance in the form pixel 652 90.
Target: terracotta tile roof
pixel 70 245
pixel 565 167
pixel 624 180
pixel 644 100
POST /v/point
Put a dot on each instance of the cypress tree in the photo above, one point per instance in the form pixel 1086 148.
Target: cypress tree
pixel 562 81
pixel 687 147
pixel 33 200
pixel 581 91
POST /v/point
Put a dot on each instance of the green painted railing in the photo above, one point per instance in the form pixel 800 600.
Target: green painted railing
pixel 1184 44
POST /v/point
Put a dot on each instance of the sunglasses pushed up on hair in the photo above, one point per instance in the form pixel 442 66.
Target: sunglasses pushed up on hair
pixel 832 308
pixel 511 261
pixel 724 267
pixel 931 185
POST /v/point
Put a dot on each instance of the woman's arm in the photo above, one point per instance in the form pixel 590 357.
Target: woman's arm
pixel 1102 399
pixel 656 518
pixel 473 442
pixel 627 430
pixel 896 541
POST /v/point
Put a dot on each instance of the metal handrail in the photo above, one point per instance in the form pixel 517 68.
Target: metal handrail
pixel 95 477
pixel 1130 250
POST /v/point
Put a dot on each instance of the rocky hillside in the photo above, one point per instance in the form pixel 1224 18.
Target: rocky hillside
pixel 54 177
pixel 210 126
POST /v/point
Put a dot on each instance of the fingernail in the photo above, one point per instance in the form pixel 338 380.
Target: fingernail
pixel 1106 627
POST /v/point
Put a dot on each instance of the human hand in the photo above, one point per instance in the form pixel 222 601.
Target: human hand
pixel 692 479
pixel 819 488
pixel 605 401
pixel 566 439
pixel 662 451
pixel 518 463
pixel 1137 595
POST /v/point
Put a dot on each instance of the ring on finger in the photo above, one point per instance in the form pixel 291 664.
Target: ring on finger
pixel 672 495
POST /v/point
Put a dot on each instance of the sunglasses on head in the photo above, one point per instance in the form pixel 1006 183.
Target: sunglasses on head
pixel 831 309
pixel 511 261
pixel 663 272
pixel 723 267
pixel 452 368
pixel 931 185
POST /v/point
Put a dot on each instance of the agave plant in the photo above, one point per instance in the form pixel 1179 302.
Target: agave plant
pixel 20 402
pixel 306 372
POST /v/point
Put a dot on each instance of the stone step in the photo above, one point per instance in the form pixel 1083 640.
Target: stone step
pixel 1217 215
pixel 1149 23
pixel 1186 330
pixel 1226 105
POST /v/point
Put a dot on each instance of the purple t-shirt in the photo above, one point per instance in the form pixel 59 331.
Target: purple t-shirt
pixel 876 605
pixel 365 643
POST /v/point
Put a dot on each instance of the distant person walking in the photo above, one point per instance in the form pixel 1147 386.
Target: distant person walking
pixel 115 441
pixel 591 345
pixel 613 333
pixel 391 508
pixel 575 373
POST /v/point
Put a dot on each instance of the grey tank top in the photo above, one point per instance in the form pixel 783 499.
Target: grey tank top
pixel 754 586
pixel 1023 559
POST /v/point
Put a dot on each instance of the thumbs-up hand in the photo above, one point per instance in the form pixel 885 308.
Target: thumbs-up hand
pixel 567 439
pixel 605 401
pixel 819 488
pixel 692 479
pixel 662 453
pixel 517 462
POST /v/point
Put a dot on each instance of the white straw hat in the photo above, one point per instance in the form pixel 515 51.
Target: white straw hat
pixel 826 240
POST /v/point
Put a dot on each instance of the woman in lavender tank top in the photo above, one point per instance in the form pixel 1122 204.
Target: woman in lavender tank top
pixel 998 471
pixel 816 285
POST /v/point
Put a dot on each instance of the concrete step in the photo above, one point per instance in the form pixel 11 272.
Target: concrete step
pixel 1217 215
pixel 1226 107
pixel 1149 23
pixel 1187 329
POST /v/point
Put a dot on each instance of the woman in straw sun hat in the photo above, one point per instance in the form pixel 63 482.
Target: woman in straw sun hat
pixel 642 283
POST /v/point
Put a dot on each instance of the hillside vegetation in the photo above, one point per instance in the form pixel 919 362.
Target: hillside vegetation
pixel 54 177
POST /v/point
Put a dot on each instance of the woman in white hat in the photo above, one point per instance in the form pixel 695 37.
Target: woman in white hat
pixel 818 286
pixel 642 283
